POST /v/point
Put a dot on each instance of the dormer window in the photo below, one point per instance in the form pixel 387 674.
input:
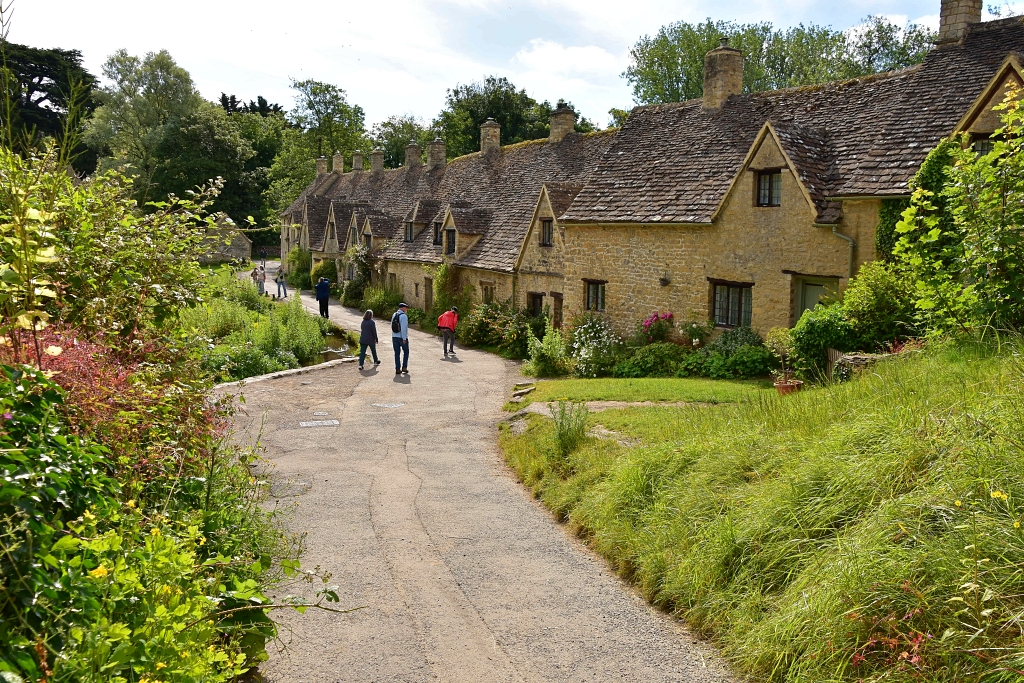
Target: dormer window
pixel 449 241
pixel 367 241
pixel 547 232
pixel 769 188
pixel 408 232
pixel 354 238
pixel 438 235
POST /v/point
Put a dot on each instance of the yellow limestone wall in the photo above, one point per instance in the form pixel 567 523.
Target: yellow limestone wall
pixel 746 243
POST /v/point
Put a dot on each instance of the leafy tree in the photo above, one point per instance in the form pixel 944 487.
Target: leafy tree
pixel 467 106
pixel 669 67
pixel 45 87
pixel 963 243
pixel 394 133
pixel 293 169
pixel 205 145
pixel 326 118
pixel 144 98
pixel 617 117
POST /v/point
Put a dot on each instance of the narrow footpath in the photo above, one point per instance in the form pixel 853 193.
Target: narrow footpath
pixel 407 503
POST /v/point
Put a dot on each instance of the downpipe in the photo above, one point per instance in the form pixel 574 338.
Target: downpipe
pixel 849 273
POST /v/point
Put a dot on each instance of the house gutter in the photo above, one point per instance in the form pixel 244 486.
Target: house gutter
pixel 849 258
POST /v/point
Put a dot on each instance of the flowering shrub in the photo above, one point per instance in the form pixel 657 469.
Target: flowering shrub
pixel 501 326
pixel 593 345
pixel 654 328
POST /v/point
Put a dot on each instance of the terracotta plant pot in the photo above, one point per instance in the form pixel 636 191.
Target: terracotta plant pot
pixel 788 386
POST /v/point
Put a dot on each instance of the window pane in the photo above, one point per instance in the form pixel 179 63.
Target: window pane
pixel 747 306
pixel 763 193
pixel 776 189
pixel 721 304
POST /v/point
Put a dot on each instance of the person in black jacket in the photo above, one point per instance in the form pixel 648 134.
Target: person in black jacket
pixel 368 338
pixel 323 293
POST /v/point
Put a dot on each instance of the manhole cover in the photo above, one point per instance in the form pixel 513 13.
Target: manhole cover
pixel 320 414
pixel 320 423
pixel 388 405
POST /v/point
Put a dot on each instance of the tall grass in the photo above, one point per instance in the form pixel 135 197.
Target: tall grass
pixel 862 532
pixel 570 419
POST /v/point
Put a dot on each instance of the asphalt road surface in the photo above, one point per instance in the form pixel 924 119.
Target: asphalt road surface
pixel 464 576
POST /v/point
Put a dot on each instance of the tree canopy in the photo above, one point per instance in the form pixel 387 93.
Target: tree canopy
pixel 328 121
pixel 395 132
pixel 521 117
pixel 669 67
pixel 46 87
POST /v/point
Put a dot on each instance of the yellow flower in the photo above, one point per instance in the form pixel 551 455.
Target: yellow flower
pixel 1016 525
pixel 89 516
pixel 99 572
pixel 154 531
pixel 958 503
pixel 160 665
pixel 999 494
pixel 131 504
pixel 202 540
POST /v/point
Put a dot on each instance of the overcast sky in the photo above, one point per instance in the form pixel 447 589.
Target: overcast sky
pixel 395 57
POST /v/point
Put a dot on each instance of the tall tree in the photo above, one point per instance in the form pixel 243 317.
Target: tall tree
pixel 467 106
pixel 669 67
pixel 394 133
pixel 233 105
pixel 144 98
pixel 47 87
pixel 328 121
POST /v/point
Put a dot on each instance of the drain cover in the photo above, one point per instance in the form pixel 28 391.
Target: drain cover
pixel 388 405
pixel 320 423
pixel 320 414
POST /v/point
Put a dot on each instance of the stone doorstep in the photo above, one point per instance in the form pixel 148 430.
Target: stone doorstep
pixel 287 373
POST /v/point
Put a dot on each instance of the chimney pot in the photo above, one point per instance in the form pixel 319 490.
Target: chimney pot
pixel 723 75
pixel 954 18
pixel 338 162
pixel 436 154
pixel 357 161
pixel 490 136
pixel 413 154
pixel 321 166
pixel 563 121
pixel 377 161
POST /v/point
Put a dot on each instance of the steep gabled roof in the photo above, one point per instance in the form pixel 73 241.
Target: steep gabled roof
pixel 561 195
pixel 674 163
pixel 471 221
pixel 317 209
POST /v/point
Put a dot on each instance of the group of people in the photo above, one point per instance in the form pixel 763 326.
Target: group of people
pixel 259 279
pixel 400 336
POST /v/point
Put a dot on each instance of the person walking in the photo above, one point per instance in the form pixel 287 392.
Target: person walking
pixel 282 283
pixel 446 323
pixel 261 280
pixel 368 338
pixel 255 276
pixel 400 338
pixel 323 293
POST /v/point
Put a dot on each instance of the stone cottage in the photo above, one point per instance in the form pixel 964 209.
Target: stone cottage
pixel 493 215
pixel 748 208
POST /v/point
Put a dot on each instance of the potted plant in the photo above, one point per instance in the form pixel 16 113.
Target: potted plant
pixel 780 342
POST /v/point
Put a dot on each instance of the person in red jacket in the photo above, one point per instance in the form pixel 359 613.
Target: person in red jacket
pixel 446 323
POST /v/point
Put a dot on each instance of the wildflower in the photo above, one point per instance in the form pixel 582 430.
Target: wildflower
pixel 1016 525
pixel 89 516
pixel 53 351
pixel 8 416
pixel 99 572
pixel 999 495
pixel 155 531
pixel 160 665
pixel 957 503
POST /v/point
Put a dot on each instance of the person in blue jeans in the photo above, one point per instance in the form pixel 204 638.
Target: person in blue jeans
pixel 282 283
pixel 400 339
pixel 368 338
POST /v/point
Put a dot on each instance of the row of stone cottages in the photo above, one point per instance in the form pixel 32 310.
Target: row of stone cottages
pixel 745 208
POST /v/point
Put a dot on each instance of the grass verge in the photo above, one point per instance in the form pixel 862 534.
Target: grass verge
pixel 687 390
pixel 863 532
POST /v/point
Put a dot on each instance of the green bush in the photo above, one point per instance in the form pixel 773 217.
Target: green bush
pixel 819 329
pixel 751 361
pixel 879 303
pixel 352 295
pixel 382 300
pixel 501 326
pixel 299 262
pixel 548 357
pixel 729 341
pixel 326 268
pixel 660 359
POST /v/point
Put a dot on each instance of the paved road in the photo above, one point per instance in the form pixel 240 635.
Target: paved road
pixel 465 576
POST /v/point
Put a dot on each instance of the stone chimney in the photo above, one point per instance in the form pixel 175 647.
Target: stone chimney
pixel 954 17
pixel 357 161
pixel 412 154
pixel 490 136
pixel 723 75
pixel 338 162
pixel 436 151
pixel 563 121
pixel 377 161
pixel 321 166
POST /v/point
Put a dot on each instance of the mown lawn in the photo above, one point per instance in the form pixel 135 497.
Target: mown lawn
pixel 685 390
pixel 867 531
